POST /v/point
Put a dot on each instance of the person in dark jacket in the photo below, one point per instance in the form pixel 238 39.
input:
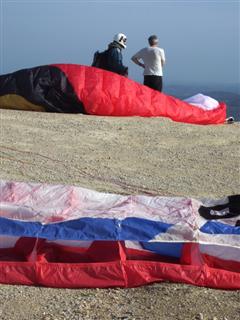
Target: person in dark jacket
pixel 114 56
pixel 111 59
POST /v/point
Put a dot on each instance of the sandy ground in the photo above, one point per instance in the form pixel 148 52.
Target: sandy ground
pixel 123 155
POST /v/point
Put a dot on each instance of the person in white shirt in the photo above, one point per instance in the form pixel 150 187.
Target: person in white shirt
pixel 153 59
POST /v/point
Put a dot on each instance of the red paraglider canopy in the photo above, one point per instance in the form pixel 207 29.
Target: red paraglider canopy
pixel 108 94
pixel 80 89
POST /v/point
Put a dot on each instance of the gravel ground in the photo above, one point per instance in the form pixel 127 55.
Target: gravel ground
pixel 124 155
pixel 162 301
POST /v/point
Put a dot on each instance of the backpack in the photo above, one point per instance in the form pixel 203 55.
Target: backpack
pixel 100 59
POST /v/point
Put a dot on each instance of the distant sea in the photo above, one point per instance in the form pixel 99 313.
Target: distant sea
pixel 230 94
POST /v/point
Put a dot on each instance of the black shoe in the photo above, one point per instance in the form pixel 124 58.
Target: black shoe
pixel 230 120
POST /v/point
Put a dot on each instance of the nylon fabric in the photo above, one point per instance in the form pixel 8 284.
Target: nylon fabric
pixel 74 237
pixel 108 94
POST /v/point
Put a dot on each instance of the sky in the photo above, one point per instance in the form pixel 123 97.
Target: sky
pixel 201 39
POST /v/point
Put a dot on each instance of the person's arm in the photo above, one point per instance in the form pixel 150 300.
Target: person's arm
pixel 136 59
pixel 163 58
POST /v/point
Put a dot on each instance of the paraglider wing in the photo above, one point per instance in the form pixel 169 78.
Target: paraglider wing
pixel 65 236
pixel 82 89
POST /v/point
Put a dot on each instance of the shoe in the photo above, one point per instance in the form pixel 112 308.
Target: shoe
pixel 230 120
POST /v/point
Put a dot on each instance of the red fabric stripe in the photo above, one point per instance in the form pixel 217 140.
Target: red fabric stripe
pixel 216 262
pixel 110 274
pixel 108 264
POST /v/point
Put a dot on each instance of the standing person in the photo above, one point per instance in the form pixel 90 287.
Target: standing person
pixel 153 59
pixel 111 59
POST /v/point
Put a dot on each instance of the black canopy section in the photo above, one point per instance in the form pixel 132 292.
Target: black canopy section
pixel 223 211
pixel 46 86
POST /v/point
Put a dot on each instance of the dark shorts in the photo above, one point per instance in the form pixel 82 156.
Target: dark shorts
pixel 154 82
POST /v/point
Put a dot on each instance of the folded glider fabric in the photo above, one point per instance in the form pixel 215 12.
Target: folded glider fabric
pixel 81 89
pixel 65 236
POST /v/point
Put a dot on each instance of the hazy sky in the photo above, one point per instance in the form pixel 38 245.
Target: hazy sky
pixel 201 38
